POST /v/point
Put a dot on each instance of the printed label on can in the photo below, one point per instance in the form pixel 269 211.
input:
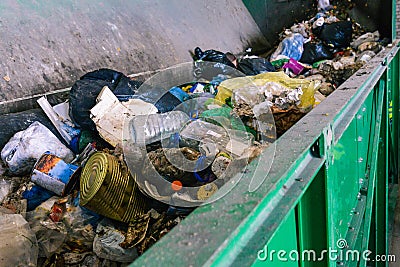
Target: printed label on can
pixel 50 183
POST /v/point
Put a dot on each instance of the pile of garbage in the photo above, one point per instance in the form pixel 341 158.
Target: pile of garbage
pixel 100 178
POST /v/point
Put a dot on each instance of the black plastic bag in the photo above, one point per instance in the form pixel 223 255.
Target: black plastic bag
pixel 108 75
pixel 84 92
pixel 254 66
pixel 337 34
pixel 314 52
pixel 162 99
pixel 213 56
pixel 168 102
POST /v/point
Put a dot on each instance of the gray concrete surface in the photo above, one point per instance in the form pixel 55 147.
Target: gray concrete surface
pixel 374 15
pixel 47 45
pixel 272 16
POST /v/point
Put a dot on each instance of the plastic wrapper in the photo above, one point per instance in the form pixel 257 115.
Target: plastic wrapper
pixel 5 188
pixel 231 141
pixel 107 243
pixel 18 245
pixel 50 235
pixel 146 129
pixel 300 28
pixel 318 22
pixel 307 99
pixel 290 47
pixel 80 231
pixel 26 147
pixel 278 63
pixel 365 56
pixel 227 87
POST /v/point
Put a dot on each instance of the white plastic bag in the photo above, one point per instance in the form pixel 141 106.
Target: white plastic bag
pixel 323 5
pixel 26 147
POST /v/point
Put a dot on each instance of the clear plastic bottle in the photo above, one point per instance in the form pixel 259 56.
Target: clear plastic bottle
pixel 147 129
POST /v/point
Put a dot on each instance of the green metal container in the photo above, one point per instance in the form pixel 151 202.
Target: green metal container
pixel 329 184
pixel 324 201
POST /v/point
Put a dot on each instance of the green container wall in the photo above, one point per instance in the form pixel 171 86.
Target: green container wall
pixel 328 186
pixel 328 183
pixel 330 173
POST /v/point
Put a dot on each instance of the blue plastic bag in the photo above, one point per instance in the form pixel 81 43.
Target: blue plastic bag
pixel 290 47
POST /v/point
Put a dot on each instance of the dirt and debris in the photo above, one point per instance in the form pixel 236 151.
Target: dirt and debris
pixel 216 124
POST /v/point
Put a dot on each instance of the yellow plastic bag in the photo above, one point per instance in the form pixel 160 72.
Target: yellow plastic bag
pixel 307 100
pixel 226 88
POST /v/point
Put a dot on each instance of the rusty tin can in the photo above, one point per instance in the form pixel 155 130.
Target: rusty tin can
pixel 54 174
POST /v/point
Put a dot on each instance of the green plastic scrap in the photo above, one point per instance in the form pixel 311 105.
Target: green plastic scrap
pixel 236 123
pixel 279 63
pixel 316 64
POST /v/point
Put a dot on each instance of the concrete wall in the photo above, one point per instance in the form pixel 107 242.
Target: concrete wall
pixel 374 15
pixel 46 45
pixel 272 16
